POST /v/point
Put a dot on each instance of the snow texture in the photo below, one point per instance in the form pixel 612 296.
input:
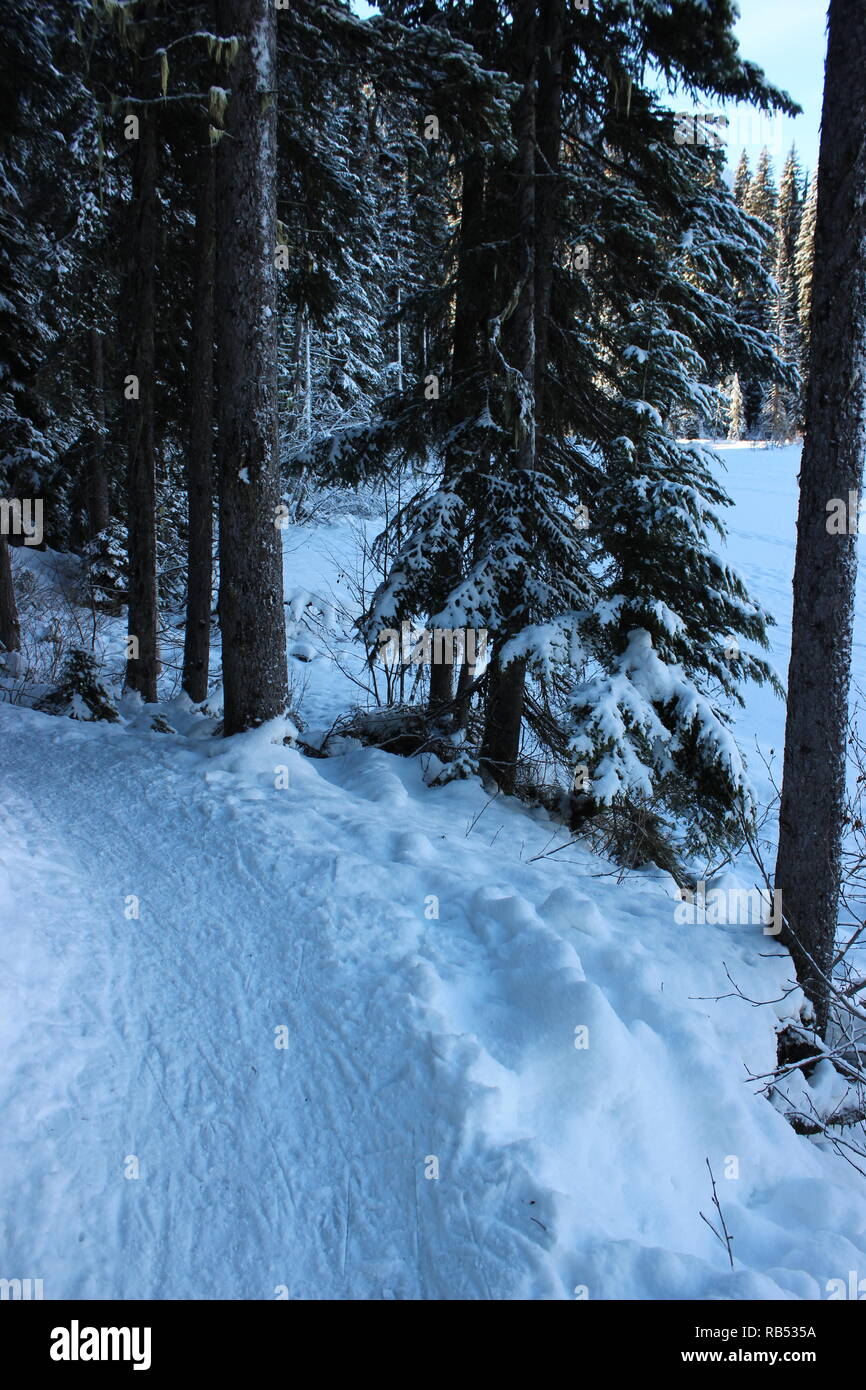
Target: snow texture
pixel 551 1042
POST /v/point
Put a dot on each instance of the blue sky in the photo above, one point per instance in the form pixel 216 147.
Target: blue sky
pixel 787 39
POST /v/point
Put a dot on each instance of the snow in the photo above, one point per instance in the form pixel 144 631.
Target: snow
pixel 762 529
pixel 503 1071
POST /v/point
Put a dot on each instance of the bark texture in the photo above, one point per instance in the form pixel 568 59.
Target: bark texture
pixel 468 318
pixel 142 667
pixel 10 629
pixel 196 649
pixel 97 477
pixel 813 786
pixel 251 590
pixel 506 684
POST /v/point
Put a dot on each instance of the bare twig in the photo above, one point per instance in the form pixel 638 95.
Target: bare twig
pixel 724 1235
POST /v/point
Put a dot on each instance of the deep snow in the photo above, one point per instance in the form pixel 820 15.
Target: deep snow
pixel 414 1043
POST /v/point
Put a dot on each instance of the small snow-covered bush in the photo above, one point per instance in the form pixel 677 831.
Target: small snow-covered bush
pixel 80 694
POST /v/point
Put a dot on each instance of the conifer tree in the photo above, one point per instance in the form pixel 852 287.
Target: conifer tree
pixel 790 208
pixel 43 170
pixel 620 360
pixel 804 260
pixel 783 410
pixel 762 199
pixel 742 180
pixel 737 424
pixel 756 304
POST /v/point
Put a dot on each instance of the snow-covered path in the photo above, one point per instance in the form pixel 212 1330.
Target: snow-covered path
pixel 503 1074
pixel 155 1038
pixel 410 1038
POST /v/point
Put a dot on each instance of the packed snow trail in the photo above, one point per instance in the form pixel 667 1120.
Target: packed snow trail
pixel 259 1166
pixel 417 1044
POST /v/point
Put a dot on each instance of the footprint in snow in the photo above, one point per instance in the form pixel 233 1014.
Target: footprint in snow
pixel 563 909
pixel 411 847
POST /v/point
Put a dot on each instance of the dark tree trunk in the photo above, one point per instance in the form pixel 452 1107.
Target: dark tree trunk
pixel 441 687
pixel 813 785
pixel 10 629
pixel 468 317
pixel 142 667
pixel 97 478
pixel 753 404
pixel 196 649
pixel 503 721
pixel 463 697
pixel 551 40
pixel 506 684
pixel 251 588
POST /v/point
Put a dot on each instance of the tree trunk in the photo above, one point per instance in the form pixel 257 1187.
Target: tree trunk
pixel 470 308
pixel 196 648
pixel 10 628
pixel 441 687
pixel 97 478
pixel 503 721
pixel 251 587
pixel 505 688
pixel 551 41
pixel 463 697
pixel 468 319
pixel 142 667
pixel 813 785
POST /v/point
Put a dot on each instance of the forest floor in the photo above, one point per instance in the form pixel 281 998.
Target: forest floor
pixel 241 1056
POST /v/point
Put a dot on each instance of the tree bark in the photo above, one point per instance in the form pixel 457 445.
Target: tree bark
pixel 142 667
pixel 503 717
pixel 551 42
pixel 251 588
pixel 468 318
pixel 470 311
pixel 196 649
pixel 813 785
pixel 97 478
pixel 10 628
pixel 503 721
